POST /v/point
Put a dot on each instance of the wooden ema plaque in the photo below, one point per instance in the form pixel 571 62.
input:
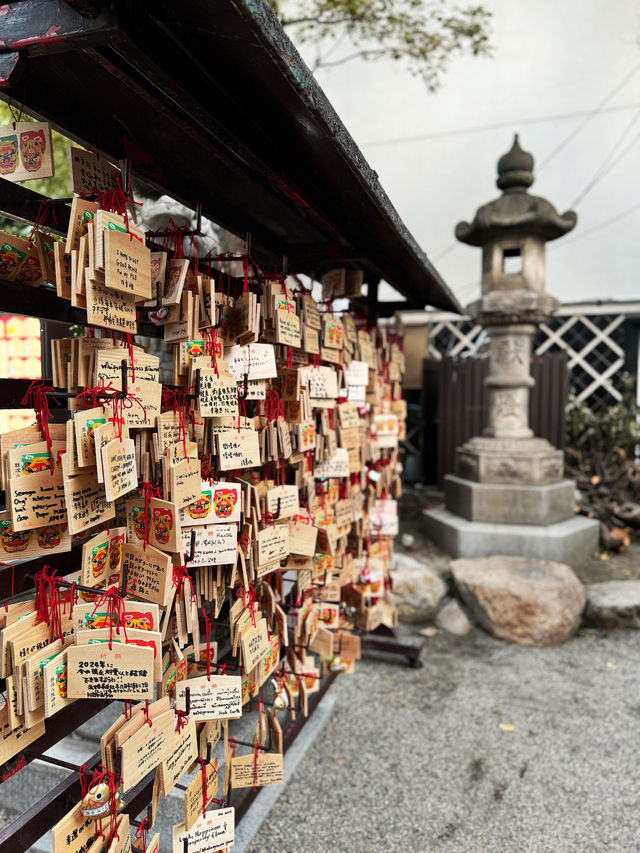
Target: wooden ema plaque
pixel 233 504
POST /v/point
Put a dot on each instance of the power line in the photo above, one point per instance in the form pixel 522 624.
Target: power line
pixel 497 126
pixel 589 116
pixel 598 227
pixel 606 166
pixel 466 290
pixel 444 252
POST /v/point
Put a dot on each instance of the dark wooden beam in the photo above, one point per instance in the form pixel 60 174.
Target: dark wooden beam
pixel 18 577
pixel 9 68
pixel 21 203
pixel 43 26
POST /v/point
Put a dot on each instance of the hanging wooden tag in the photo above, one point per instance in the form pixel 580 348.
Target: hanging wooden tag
pixel 184 753
pixel 194 795
pixel 110 309
pixel 146 749
pixel 26 152
pixel 119 468
pixel 272 545
pixel 135 614
pixel 248 771
pixel 101 562
pixel 91 172
pixel 52 539
pixel 62 266
pixel 37 500
pixel 149 573
pixel 209 834
pixel 54 684
pixel 186 482
pixel 135 637
pixel 102 435
pixel 73 833
pixel 175 279
pixel 209 735
pixel 256 360
pixel 124 672
pixel 214 544
pixel 287 329
pixel 239 449
pixel 33 667
pixel 254 644
pixel 121 842
pixel 13 251
pixel 286 497
pixel 218 698
pixel 218 394
pixel 216 504
pixel 86 502
pixel 127 264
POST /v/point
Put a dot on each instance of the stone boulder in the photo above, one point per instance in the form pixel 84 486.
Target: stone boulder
pixel 418 588
pixel 615 604
pixel 452 618
pixel 521 600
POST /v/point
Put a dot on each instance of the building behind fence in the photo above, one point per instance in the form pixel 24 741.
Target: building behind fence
pixel 599 338
pixel 593 343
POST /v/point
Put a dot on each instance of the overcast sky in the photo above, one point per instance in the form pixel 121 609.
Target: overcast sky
pixel 552 58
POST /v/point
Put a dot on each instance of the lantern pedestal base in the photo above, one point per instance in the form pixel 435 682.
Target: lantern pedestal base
pixel 572 541
pixel 520 462
pixel 509 504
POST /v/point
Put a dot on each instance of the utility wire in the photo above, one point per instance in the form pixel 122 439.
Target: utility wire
pixel 497 126
pixel 589 116
pixel 444 252
pixel 606 166
pixel 598 227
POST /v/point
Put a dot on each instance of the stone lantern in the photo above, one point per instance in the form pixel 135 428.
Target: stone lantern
pixel 508 495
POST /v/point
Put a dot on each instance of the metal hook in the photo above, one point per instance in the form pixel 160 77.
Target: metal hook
pixel 53 201
pixel 246 743
pixel 215 464
pixel 188 558
pixel 122 395
pixel 125 578
pixel 220 311
pixel 276 515
pixel 245 389
pixel 196 387
pixel 161 310
pixel 125 170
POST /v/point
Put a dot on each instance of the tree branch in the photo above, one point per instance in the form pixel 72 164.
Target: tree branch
pixel 365 54
pixel 329 22
pixel 422 33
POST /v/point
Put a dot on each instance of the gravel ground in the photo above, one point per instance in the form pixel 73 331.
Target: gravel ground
pixel 489 748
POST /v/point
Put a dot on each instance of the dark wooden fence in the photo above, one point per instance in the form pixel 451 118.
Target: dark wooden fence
pixel 455 406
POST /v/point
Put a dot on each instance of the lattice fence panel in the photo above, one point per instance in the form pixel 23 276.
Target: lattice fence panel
pixel 594 345
pixel 455 338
